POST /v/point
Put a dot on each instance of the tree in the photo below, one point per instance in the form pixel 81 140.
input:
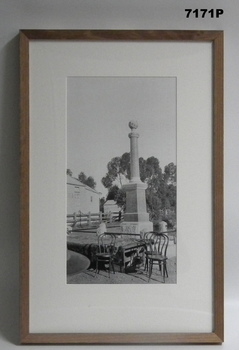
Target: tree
pixel 112 192
pixel 120 198
pixel 69 172
pixel 82 177
pixel 89 181
pixel 149 168
pixel 118 171
pixel 170 173
pixel 171 195
pixel 151 173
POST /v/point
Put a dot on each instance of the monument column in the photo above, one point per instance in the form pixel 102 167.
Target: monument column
pixel 134 153
pixel 136 218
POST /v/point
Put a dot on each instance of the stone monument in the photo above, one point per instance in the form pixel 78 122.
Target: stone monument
pixel 136 218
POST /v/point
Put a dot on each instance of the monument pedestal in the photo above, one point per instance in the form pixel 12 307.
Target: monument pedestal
pixel 136 218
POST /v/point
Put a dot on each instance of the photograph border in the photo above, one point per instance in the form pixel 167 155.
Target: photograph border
pixel 214 37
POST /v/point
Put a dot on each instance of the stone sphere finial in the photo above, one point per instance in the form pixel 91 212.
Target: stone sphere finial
pixel 133 124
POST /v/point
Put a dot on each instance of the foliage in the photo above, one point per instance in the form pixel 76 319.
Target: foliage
pixel 89 181
pixel 170 173
pixel 118 171
pixel 112 192
pixel 149 169
pixel 69 172
pixel 120 198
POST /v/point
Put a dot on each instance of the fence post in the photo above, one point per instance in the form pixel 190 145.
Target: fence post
pixel 89 219
pixel 74 219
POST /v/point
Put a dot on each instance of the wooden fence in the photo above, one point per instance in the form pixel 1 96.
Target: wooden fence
pixel 91 219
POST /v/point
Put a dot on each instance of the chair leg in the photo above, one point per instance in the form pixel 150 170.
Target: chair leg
pixel 96 267
pixel 150 269
pixel 113 268
pixel 164 270
pixel 160 269
pixel 165 267
pixel 146 264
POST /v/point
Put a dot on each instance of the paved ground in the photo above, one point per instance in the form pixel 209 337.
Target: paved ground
pixel 133 277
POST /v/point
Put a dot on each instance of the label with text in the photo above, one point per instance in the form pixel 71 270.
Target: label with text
pixel 204 13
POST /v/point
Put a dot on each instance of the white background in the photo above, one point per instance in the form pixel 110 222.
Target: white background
pixel 124 14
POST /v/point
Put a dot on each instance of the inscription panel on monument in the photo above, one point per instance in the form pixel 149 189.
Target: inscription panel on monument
pixel 129 228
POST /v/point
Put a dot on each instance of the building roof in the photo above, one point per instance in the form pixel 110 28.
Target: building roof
pixel 75 182
pixel 110 202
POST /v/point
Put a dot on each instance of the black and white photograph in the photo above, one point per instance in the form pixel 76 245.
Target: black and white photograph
pixel 121 218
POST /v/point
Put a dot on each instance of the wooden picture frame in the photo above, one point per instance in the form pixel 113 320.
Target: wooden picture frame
pixel 215 40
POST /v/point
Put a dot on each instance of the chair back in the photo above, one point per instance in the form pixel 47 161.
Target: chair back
pixel 159 244
pixel 147 240
pixel 147 235
pixel 106 243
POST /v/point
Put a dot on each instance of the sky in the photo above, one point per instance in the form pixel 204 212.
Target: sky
pixel 99 110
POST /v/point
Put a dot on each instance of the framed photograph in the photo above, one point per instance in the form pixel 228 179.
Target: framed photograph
pixel 121 187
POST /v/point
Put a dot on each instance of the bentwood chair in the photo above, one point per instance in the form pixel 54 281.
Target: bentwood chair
pixel 106 253
pixel 158 254
pixel 149 240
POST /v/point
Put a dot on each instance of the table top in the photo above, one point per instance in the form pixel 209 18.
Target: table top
pixel 76 262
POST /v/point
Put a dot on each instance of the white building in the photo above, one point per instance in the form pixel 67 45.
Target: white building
pixel 81 198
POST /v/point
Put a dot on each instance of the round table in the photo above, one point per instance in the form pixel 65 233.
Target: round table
pixel 76 262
